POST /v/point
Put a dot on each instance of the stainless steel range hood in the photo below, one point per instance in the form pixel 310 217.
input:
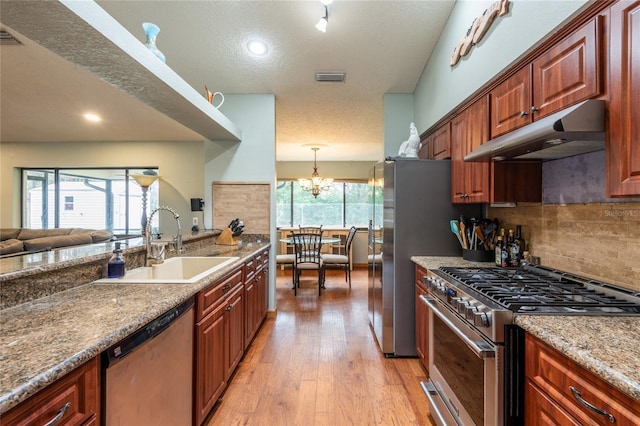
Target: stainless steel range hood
pixel 575 130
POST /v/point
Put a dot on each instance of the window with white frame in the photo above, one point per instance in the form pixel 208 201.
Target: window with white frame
pixel 84 198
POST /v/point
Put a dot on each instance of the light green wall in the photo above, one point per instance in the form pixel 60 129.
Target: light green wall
pixel 252 160
pixel 398 114
pixel 441 87
pixel 180 164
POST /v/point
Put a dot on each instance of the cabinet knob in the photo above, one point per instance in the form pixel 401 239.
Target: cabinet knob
pixel 534 109
pixel 228 308
pixel 523 113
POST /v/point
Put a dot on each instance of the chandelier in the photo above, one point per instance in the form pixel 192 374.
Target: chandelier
pixel 316 184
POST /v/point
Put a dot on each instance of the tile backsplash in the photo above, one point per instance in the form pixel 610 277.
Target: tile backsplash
pixel 597 240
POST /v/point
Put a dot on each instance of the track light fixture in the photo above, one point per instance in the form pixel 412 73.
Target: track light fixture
pixel 322 23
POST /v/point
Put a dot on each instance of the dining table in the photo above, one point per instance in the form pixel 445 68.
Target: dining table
pixel 325 240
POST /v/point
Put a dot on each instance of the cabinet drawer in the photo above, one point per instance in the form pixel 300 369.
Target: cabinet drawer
pixel 542 410
pixel 208 299
pixel 556 375
pixel 78 391
pixel 250 266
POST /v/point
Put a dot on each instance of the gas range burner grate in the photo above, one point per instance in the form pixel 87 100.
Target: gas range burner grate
pixel 541 290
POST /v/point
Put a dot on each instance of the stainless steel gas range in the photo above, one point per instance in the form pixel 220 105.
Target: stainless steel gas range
pixel 476 353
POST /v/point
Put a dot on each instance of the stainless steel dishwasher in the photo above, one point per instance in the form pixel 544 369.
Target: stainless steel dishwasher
pixel 147 377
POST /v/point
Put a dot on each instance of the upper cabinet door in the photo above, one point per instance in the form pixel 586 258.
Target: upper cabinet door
pixel 623 147
pixel 441 143
pixel 469 130
pixel 565 74
pixel 568 72
pixel 511 103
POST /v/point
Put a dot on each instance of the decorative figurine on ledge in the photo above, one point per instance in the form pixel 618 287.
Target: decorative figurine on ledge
pixel 410 147
pixel 151 31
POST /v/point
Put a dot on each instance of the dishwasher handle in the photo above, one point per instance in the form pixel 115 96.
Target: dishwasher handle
pixel 127 345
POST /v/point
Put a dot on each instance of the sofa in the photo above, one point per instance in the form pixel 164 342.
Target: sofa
pixel 14 241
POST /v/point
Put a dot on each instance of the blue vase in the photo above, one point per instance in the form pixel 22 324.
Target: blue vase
pixel 151 31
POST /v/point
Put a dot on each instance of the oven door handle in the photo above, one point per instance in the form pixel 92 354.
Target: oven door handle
pixel 481 349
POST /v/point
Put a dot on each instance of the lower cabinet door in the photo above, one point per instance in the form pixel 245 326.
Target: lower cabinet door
pixel 250 300
pixel 234 330
pixel 210 375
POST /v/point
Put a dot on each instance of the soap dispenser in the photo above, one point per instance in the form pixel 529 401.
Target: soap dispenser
pixel 116 266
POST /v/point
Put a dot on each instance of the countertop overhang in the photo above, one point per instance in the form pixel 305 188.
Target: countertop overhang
pixel 46 338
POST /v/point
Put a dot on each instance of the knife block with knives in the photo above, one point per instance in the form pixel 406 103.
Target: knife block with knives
pixel 229 235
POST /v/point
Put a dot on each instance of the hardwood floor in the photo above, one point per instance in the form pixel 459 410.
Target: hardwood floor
pixel 317 363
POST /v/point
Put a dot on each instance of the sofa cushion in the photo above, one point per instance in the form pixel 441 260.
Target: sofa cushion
pixel 102 235
pixel 30 234
pixel 97 235
pixel 11 246
pixel 57 241
pixel 9 233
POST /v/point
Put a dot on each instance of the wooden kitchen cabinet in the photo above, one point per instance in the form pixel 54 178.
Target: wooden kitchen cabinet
pixel 469 130
pixel 210 379
pixel 550 376
pixel 234 328
pixel 517 181
pixel 511 103
pixel 563 75
pixel 485 182
pixel 437 145
pixel 78 391
pixel 255 287
pixel 623 143
pixel 219 342
pixel 422 318
pixel 228 316
pixel 543 410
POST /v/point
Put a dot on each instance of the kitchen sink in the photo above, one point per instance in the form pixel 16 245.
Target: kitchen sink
pixel 177 270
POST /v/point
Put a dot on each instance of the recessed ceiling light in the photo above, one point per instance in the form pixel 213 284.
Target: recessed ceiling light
pixel 92 117
pixel 257 47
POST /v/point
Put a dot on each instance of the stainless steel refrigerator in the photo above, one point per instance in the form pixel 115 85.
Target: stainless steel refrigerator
pixel 410 213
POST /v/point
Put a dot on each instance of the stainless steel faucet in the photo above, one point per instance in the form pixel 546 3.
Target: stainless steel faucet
pixel 177 241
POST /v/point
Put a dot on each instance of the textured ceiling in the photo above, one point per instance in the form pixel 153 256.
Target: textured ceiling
pixel 382 46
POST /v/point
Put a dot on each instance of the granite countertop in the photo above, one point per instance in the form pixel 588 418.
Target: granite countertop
pixel 13 267
pixel 434 262
pixel 46 338
pixel 608 346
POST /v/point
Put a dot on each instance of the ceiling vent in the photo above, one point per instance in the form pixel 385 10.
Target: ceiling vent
pixel 7 39
pixel 330 77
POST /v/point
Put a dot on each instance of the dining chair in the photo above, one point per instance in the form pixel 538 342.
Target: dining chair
pixel 342 261
pixel 307 257
pixel 310 229
pixel 287 260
